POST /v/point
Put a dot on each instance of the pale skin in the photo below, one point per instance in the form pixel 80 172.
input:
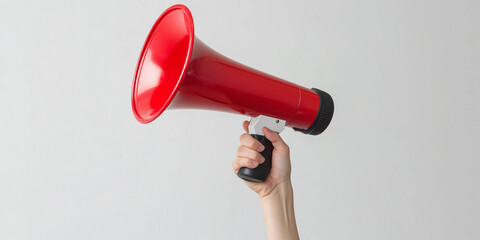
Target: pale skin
pixel 276 193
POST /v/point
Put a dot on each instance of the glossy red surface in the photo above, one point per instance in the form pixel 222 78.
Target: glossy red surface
pixel 163 62
pixel 177 70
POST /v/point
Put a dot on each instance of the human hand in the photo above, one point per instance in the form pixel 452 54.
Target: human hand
pixel 248 155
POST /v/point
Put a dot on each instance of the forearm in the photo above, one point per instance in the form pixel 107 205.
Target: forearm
pixel 279 213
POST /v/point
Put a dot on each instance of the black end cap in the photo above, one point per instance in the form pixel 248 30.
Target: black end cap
pixel 324 115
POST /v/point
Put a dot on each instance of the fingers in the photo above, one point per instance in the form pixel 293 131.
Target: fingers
pixel 240 162
pixel 276 140
pixel 247 157
pixel 249 153
pixel 248 141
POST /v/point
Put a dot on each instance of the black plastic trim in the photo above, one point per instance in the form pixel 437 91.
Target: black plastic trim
pixel 324 115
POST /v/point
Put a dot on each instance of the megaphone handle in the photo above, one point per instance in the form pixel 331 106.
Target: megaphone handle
pixel 260 173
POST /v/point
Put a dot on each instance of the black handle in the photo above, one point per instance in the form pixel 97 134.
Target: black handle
pixel 260 173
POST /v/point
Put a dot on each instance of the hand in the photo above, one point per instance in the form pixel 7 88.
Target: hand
pixel 248 155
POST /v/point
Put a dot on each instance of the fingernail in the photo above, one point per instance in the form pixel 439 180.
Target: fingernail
pixel 262 159
pixel 261 148
pixel 255 164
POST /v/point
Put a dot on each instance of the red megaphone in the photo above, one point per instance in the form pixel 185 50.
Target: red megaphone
pixel 177 70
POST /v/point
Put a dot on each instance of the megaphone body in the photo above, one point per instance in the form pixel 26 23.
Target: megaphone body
pixel 177 70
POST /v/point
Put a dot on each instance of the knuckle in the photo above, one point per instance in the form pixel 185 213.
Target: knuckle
pixel 240 150
pixel 252 155
pixel 244 138
pixel 236 165
pixel 252 163
pixel 256 144
pixel 253 145
pixel 245 163
pixel 247 139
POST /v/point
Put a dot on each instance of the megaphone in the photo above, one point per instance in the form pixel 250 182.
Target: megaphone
pixel 177 70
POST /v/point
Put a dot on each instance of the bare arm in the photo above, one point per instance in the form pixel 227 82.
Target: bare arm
pixel 276 193
pixel 279 214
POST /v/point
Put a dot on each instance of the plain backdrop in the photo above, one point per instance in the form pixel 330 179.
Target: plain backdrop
pixel 400 160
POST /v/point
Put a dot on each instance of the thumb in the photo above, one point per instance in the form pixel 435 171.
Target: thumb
pixel 275 138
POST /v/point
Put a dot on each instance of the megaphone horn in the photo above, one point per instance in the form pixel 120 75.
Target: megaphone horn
pixel 177 70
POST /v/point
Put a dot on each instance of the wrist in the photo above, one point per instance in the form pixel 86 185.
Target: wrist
pixel 282 190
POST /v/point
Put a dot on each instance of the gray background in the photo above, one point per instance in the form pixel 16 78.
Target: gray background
pixel 399 161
